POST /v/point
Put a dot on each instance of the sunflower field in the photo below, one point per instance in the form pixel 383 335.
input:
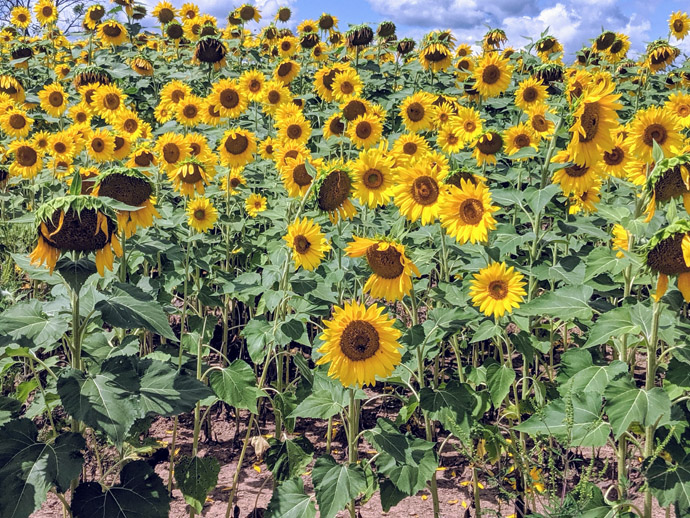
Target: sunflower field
pixel 254 271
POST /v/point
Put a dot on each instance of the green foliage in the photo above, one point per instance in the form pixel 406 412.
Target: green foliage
pixel 195 478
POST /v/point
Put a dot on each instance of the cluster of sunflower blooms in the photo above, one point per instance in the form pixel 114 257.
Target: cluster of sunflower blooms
pixel 100 137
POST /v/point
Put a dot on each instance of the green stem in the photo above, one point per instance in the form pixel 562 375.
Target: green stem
pixel 353 439
pixel 649 385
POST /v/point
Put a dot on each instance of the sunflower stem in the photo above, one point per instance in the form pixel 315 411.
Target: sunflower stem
pixel 649 385
pixel 353 439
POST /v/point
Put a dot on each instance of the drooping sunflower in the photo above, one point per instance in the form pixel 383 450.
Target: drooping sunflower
pixel 191 176
pixel 172 150
pixel 519 137
pixel 365 131
pixel 530 93
pixel 466 213
pixel 142 66
pixel 46 12
pixel 286 71
pixel 660 54
pixel 595 120
pixel 112 32
pixel 497 289
pixel 492 75
pixel 487 146
pixel 360 344
pixel 133 188
pixel 16 123
pixel 668 253
pixel 237 147
pixel 418 193
pixel 333 192
pixel 654 124
pixel 467 123
pixel 679 105
pixel 416 112
pixel 373 177
pixel 619 48
pixel 255 204
pixel 53 99
pixel 76 223
pixel 27 159
pixel 308 243
pixel 20 17
pixel 392 271
pixel 669 179
pixel 574 179
pixel 435 54
pixel 201 214
pixel 679 25
pixel 228 98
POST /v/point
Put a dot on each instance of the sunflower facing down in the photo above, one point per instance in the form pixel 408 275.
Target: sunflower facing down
pixel 360 344
pixel 201 214
pixel 668 253
pixel 309 245
pixel 466 213
pixel 112 32
pixel 487 147
pixel 497 289
pixel 191 176
pixel 392 271
pixel 333 192
pixel 492 75
pixel 418 193
pixel 670 179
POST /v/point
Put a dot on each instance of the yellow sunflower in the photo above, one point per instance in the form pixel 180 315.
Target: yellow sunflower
pixel 27 159
pixel 467 124
pixel 492 75
pixel 20 17
pixel 122 147
pixel 585 201
pixel 530 92
pixel 191 176
pixel 80 113
pixel 295 129
pixel 679 105
pixel 209 113
pixel 16 123
pixel 287 46
pixel 346 85
pixel 164 11
pixel 392 271
pixel 373 177
pixel 450 140
pixel 237 147
pixel 61 145
pixel 334 126
pixel 416 112
pixel 324 78
pixel 295 175
pixel 308 243
pixel 274 95
pixel 100 145
pixel 365 131
pixel 617 161
pixel 497 289
pixel 112 32
pixel 230 183
pixel 174 91
pixel 188 111
pixel 46 12
pixel 254 204
pixel 201 214
pixel 410 148
pixel 679 24
pixel 252 82
pixel 466 213
pixel 654 124
pixel 486 147
pixel 228 98
pixel 172 150
pixel 360 344
pixel 574 179
pixel 539 122
pixel 53 99
pixel 286 71
pixel 108 102
pixel 418 193
pixel 620 240
pixel 519 137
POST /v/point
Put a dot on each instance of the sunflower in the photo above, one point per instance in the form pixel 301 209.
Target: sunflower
pixel 346 85
pixel 679 25
pixel 467 124
pixel 129 125
pixel 61 145
pixel 53 99
pixel 237 147
pixel 660 55
pixel 617 161
pixel 654 124
pixel 668 253
pixel 39 140
pixel 142 156
pixel 492 75
pixel 365 131
pixel 16 123
pixel 27 159
pixel 392 271
pixel 574 179
pixel 416 112
pixel 334 189
pixel 318 53
pixel 76 223
pixel 450 140
pixel 373 177
pixel 294 129
pixel 267 148
pixel 12 87
pixel 188 111
pixel 93 16
pixel 286 150
pixel 286 71
pixel 248 12
pixel 679 105
pixel 275 94
pixel 283 14
pixel 201 214
pixel 164 11
pixel 254 204
pixel 519 137
pixel 228 98
pixel 539 122
pixel 418 193
pixel 108 102
pixel 46 12
pixel 669 179
pixel 619 48
pixel 435 56
pixel 497 289
pixel 252 82
pixel 530 92
pixel 209 113
pixel 324 78
pixel 360 344
pixel 287 46
pixel 442 114
pixel 296 176
pixel 309 245
pixel 112 32
pixel 585 201
pixel 189 11
pixel 546 46
pixel 595 120
pixel 410 148
pixel 334 126
pixel 620 240
pixel 174 91
pixel 466 213
pixel 230 182
pixel 191 176
pixel 142 66
pixel 20 17
pixel 122 147
pixel 486 147
pixel 81 114
pixel 355 108
pixel 172 150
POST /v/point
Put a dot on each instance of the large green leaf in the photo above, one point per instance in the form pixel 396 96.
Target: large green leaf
pixel 140 494
pixel 104 401
pixel 290 458
pixel 336 484
pixel 670 483
pixel 30 468
pixel 499 379
pixel 10 408
pixel 565 303
pixel 614 323
pixel 129 307
pixel 628 404
pixel 27 320
pixel 236 385
pixel 290 501
pixel 195 478
pixel 319 396
pixel 163 390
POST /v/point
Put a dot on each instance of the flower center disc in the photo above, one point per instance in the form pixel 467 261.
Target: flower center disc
pixel 347 88
pixel 55 99
pixel 385 263
pixel 294 131
pixel 273 97
pixel 199 214
pixel 491 74
pixel 301 244
pixel 112 101
pixel 284 69
pixel 254 85
pixel 79 231
pixel 530 94
pixel 190 111
pixel 521 141
pixel 60 147
pixel 415 112
pixel 229 98
pixel 654 132
pixel 191 173
pixel 425 190
pixel 576 171
pixel 678 26
pixel 17 121
pixel 498 290
pixel 354 109
pixel 490 147
pixel 615 157
pixel 373 179
pixel 26 157
pixel 125 189
pixel 667 256
pixel 300 175
pixel 334 191
pixel 176 96
pixel 237 144
pixel 471 211
pixel 337 127
pixel 590 121
pixel 47 11
pixel 670 185
pixel 112 30
pixel 165 15
pixel 143 159
pixel 410 148
pixel 539 123
pixel 171 153
pixel 363 130
pixel 359 340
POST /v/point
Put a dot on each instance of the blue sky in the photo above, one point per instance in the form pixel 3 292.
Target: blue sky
pixel 573 22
